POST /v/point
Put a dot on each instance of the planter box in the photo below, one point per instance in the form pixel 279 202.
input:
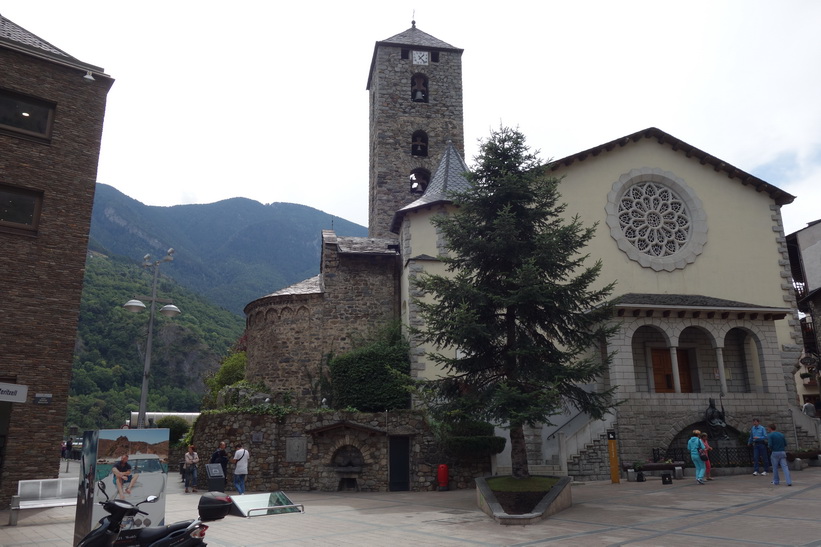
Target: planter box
pixel 558 499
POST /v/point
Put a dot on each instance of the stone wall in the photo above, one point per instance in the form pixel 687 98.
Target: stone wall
pixel 296 453
pixel 393 119
pixel 42 271
pixel 592 463
pixel 292 332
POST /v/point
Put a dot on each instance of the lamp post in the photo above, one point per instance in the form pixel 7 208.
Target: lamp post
pixel 169 310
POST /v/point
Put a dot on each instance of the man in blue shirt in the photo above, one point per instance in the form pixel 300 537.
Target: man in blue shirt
pixel 758 440
pixel 778 445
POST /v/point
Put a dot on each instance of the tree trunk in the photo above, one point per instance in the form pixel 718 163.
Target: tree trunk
pixel 518 452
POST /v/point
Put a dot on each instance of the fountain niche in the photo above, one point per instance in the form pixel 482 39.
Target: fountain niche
pixel 347 461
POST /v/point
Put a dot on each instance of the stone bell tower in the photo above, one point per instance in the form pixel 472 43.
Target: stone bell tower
pixel 415 88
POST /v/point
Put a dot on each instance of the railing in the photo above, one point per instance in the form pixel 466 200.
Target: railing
pixel 729 456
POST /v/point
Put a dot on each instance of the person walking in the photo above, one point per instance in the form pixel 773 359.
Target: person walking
pixel 707 465
pixel 240 461
pixel 696 448
pixel 191 461
pixel 758 440
pixel 220 456
pixel 778 445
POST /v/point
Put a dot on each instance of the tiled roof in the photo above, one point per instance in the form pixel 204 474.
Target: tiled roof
pixel 309 286
pixel 415 37
pixel 637 300
pixel 367 245
pixel 779 196
pixel 449 177
pixel 13 36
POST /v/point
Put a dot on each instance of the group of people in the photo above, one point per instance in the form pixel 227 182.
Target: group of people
pixel 760 439
pixel 240 460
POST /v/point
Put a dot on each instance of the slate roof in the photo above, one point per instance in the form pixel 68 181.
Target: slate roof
pixel 415 37
pixel 692 301
pixel 367 245
pixel 779 196
pixel 449 177
pixel 309 286
pixel 13 36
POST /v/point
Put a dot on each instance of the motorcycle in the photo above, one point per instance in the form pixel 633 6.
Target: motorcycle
pixel 111 531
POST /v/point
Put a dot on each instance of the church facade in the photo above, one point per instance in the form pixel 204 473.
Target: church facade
pixel 704 302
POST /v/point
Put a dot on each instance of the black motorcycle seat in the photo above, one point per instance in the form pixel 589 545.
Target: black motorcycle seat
pixel 150 535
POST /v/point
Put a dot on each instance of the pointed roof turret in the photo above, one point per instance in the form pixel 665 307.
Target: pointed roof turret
pixel 449 177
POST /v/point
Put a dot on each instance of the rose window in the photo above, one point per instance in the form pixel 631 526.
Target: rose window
pixel 654 219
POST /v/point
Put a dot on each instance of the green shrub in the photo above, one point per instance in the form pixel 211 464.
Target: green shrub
pixel 375 377
pixel 178 428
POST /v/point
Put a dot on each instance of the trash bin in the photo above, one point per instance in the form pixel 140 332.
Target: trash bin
pixel 214 505
pixel 216 478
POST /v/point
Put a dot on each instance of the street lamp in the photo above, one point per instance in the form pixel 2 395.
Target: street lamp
pixel 169 310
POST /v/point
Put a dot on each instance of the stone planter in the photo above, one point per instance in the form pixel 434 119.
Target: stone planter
pixel 558 499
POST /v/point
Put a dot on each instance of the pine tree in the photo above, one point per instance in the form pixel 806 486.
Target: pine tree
pixel 517 302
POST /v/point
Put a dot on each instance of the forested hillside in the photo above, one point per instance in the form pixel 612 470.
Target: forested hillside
pixel 231 252
pixel 110 351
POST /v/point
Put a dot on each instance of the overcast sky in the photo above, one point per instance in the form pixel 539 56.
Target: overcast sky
pixel 267 100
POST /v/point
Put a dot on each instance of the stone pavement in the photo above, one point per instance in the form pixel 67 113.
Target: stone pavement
pixel 732 511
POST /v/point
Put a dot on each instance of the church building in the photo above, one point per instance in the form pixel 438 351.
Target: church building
pixel 704 302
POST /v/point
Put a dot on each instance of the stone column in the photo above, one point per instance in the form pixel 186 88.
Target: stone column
pixel 722 377
pixel 674 361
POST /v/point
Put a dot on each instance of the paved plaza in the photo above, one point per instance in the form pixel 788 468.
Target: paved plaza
pixel 733 511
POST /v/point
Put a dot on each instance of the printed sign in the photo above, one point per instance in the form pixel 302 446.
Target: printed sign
pixel 13 393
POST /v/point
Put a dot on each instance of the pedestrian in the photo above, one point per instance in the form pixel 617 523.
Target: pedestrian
pixel 698 454
pixel 708 467
pixel 64 450
pixel 758 440
pixel 220 456
pixel 809 409
pixel 240 461
pixel 191 461
pixel 778 445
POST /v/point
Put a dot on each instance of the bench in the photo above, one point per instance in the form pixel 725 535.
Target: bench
pixel 42 494
pixel 676 467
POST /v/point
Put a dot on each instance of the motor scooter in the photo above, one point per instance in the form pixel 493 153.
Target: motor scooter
pixel 110 531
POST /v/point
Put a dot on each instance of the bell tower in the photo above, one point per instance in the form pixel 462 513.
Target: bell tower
pixel 415 92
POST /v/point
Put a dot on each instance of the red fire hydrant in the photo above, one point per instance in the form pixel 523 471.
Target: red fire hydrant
pixel 442 477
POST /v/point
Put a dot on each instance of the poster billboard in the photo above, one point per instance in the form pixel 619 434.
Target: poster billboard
pixel 132 464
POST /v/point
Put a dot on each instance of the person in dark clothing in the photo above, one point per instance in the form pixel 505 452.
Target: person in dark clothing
pixel 220 456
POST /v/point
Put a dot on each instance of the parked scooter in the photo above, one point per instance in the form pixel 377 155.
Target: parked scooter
pixel 111 532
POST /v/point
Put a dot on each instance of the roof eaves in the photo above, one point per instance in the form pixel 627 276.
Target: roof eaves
pixel 779 196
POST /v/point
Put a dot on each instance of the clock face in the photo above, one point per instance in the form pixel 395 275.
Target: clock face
pixel 420 57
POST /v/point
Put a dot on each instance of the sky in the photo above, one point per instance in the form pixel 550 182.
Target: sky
pixel 267 100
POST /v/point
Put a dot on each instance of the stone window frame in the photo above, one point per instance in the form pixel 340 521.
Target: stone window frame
pixel 419 144
pixel 698 219
pixel 419 179
pixel 419 82
pixel 33 208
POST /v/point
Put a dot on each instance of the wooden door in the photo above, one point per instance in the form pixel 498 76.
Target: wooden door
pixel 663 371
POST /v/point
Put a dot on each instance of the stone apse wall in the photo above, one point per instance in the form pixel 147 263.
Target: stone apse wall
pixel 301 452
pixel 292 332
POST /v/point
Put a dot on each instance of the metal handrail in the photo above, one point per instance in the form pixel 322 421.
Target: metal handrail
pixel 565 424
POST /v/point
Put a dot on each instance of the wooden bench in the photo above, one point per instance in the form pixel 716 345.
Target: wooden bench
pixel 41 494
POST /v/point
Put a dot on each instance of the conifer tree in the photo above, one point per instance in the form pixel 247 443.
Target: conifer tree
pixel 517 304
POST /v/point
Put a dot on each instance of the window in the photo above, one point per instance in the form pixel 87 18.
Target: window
pixel 405 53
pixel 434 56
pixel 419 179
pixel 419 88
pixel 419 144
pixel 19 209
pixel 26 115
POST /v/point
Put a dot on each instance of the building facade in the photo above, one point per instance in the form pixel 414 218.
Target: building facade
pixel 51 119
pixel 704 301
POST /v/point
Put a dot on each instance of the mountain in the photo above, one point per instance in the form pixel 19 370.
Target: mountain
pixel 231 252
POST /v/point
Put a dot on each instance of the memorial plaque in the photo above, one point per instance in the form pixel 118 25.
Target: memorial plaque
pixel 296 449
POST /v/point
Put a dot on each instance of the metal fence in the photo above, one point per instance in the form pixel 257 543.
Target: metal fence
pixel 729 456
